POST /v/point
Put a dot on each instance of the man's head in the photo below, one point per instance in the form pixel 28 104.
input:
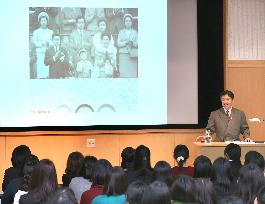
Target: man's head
pixel 56 39
pixel 227 98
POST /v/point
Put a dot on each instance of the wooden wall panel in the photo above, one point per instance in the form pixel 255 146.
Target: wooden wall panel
pixel 248 85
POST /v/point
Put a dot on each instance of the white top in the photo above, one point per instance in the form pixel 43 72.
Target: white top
pixel 79 185
pixel 18 195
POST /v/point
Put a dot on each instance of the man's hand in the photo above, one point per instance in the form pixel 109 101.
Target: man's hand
pixel 248 139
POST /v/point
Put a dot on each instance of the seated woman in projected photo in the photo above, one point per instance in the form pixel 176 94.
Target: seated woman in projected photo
pixel 105 58
pixel 42 38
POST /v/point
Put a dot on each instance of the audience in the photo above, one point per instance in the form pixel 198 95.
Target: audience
pixel 202 167
pixel 156 193
pixel 83 182
pixel 93 181
pixel 142 166
pixel 73 167
pixel 251 178
pixel 182 189
pixel 19 155
pixel 261 195
pixel 127 156
pixel 181 154
pixel 20 185
pixel 115 187
pixel 233 153
pixel 135 192
pixel 230 200
pixel 256 158
pixel 43 183
pixel 162 172
pixel 100 169
pixel 222 177
pixel 204 192
pixel 63 195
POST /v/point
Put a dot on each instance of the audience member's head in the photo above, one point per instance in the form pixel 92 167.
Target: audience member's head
pixel 135 192
pixel 88 164
pixel 19 155
pixel 221 175
pixel 100 169
pixel 43 180
pixel 181 154
pixel 74 164
pixel 261 195
pixel 202 167
pixel 142 158
pixel 30 162
pixel 251 178
pixel 115 182
pixel 232 152
pixel 156 193
pixel 182 189
pixel 231 200
pixel 127 156
pixel 162 172
pixel 256 158
pixel 63 196
pixel 204 191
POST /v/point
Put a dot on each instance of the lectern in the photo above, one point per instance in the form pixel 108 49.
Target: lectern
pixel 216 149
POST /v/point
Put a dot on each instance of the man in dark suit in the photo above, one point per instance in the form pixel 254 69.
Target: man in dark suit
pixel 228 122
pixel 56 58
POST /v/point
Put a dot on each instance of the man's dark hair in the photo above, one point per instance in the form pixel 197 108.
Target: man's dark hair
pixel 227 92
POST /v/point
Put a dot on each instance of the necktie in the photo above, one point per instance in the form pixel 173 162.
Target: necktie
pixel 227 113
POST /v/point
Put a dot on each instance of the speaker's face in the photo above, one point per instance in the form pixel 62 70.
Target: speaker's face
pixel 226 102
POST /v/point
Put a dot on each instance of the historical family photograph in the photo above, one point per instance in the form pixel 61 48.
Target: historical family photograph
pixel 74 42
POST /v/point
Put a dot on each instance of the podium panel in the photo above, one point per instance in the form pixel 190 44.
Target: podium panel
pixel 216 149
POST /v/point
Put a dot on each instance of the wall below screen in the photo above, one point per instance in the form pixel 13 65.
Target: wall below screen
pixel 109 144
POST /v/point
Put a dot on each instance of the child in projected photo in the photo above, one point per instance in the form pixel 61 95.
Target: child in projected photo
pixel 105 58
pixel 84 66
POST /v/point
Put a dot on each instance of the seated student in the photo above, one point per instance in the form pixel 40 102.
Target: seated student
pixel 181 154
pixel 204 192
pixel 42 185
pixel 222 177
pixel 162 172
pixel 233 153
pixel 182 189
pixel 142 166
pixel 83 182
pixel 19 155
pixel 100 169
pixel 19 186
pixel 73 167
pixel 115 187
pixel 256 158
pixel 230 200
pixel 156 193
pixel 251 178
pixel 202 167
pixel 135 192
pixel 63 195
pixel 84 66
pixel 127 156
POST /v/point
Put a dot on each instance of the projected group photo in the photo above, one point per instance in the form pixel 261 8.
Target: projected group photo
pixel 75 42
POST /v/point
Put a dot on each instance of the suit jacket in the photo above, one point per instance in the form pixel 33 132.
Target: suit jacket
pixel 57 68
pixel 228 128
